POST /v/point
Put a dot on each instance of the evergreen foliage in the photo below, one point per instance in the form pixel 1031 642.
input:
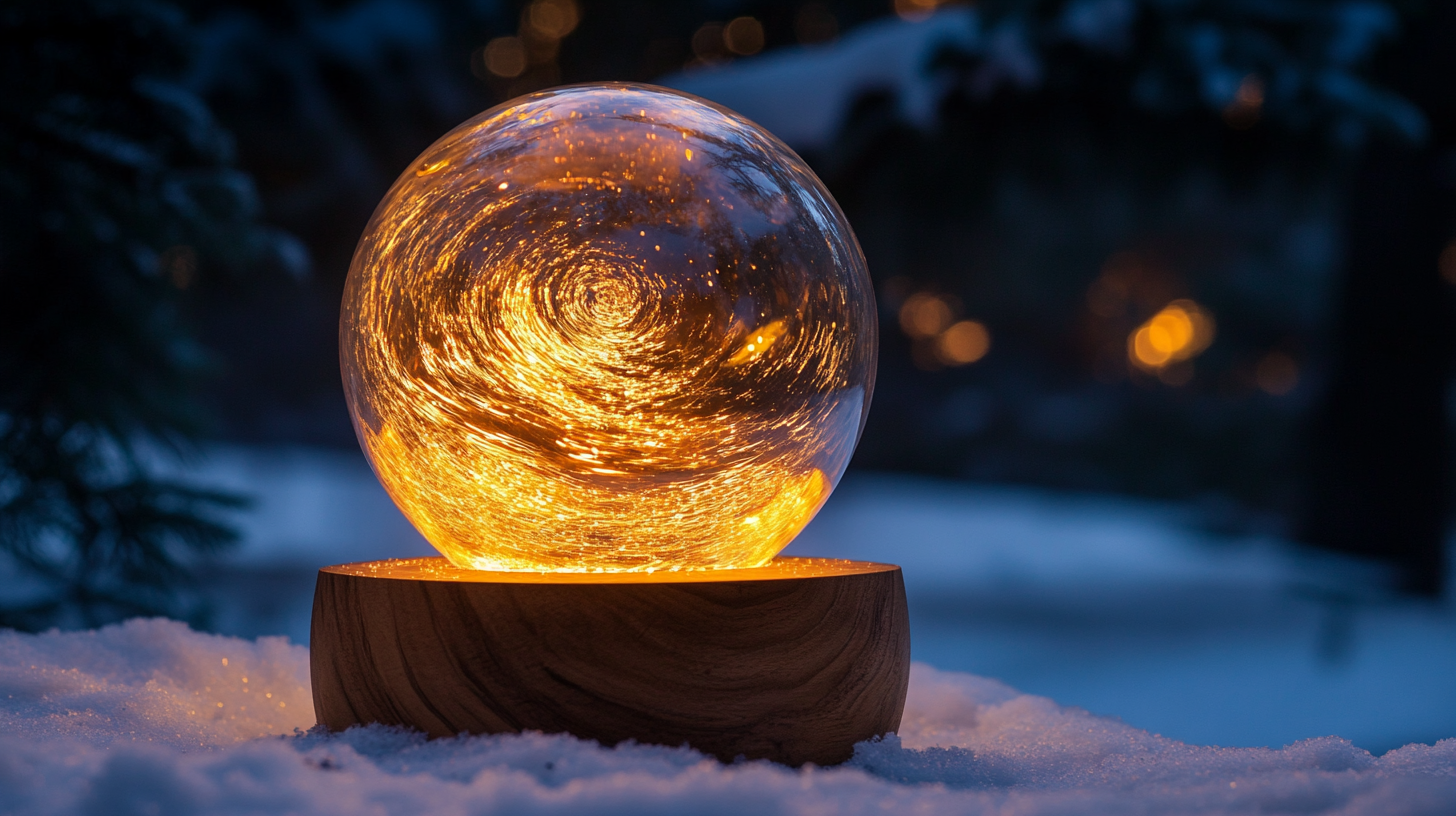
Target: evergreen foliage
pixel 116 190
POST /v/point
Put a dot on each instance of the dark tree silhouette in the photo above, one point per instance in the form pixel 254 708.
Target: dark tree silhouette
pixel 116 192
pixel 1379 453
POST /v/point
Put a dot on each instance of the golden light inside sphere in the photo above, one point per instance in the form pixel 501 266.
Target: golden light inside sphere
pixel 608 328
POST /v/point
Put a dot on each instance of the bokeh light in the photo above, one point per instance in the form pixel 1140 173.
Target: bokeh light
pixel 1181 331
pixel 1243 111
pixel 707 42
pixel 1446 263
pixel 608 328
pixel 914 10
pixel 743 36
pixel 1277 373
pixel 815 23
pixel 553 19
pixel 963 343
pixel 926 315
pixel 506 57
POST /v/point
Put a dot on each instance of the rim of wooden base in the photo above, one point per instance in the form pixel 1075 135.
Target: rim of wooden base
pixel 436 568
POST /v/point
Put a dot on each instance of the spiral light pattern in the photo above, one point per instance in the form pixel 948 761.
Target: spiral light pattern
pixel 608 328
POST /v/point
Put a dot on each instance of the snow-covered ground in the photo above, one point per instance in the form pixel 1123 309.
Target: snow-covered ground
pixel 1127 609
pixel 1122 607
pixel 1164 637
pixel 151 718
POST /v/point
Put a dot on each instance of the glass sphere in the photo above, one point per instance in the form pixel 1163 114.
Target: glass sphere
pixel 608 328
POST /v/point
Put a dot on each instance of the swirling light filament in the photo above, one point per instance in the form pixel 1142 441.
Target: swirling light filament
pixel 608 328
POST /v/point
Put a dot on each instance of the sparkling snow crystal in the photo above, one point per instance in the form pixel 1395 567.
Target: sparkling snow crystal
pixel 152 718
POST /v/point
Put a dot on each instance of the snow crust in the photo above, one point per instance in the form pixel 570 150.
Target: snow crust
pixel 146 718
pixel 150 681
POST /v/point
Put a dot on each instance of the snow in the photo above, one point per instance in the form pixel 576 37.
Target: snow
pixel 804 94
pixel 126 720
pixel 1127 608
pixel 1120 606
pixel 150 681
pixel 1154 636
pixel 311 505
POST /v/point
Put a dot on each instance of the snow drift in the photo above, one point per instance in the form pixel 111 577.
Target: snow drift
pixel 152 718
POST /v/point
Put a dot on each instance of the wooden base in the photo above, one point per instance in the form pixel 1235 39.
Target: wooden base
pixel 793 662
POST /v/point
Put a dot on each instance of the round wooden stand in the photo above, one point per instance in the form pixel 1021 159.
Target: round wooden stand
pixel 794 662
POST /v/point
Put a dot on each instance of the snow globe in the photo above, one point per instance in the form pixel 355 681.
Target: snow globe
pixel 609 348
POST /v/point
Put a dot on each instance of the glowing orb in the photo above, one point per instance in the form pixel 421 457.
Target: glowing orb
pixel 608 328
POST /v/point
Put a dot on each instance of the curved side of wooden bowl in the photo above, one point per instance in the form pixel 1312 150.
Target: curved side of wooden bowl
pixel 795 670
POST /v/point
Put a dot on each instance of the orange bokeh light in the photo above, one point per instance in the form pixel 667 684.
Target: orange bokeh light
pixel 1181 331
pixel 963 343
pixel 925 315
pixel 743 36
pixel 1446 263
pixel 914 10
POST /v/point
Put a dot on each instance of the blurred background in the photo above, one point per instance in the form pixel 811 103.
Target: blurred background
pixel 1165 291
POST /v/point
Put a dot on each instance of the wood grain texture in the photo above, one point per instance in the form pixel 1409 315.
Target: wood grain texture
pixel 794 669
